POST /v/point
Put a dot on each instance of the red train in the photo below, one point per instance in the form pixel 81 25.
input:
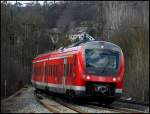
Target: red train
pixel 94 68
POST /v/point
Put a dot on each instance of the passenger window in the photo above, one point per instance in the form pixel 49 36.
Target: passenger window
pixel 67 69
pixel 49 69
pixel 46 69
pixel 70 69
pixel 75 60
pixel 38 70
pixel 54 71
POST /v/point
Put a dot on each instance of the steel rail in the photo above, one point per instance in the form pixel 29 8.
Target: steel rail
pixel 47 107
pixel 115 109
pixel 60 102
pixel 92 105
pixel 133 102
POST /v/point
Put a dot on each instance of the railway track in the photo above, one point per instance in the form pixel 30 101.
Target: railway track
pixel 115 109
pixel 56 105
pixel 63 106
pixel 133 102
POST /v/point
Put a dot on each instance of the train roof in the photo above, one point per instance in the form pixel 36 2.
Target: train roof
pixel 58 52
pixel 76 47
pixel 95 44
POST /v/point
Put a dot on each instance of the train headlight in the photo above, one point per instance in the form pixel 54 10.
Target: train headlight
pixel 88 77
pixel 114 79
pixel 102 46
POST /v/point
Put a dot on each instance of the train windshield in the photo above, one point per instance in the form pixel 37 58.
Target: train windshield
pixel 101 62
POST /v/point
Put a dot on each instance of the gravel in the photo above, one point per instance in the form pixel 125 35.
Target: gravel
pixel 23 103
pixel 145 109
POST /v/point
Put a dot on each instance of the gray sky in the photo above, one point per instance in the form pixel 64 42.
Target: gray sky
pixel 24 2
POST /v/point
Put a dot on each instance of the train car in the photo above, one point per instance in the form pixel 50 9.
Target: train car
pixel 94 68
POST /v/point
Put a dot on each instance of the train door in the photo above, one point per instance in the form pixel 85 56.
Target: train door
pixel 64 73
pixel 74 69
pixel 46 73
pixel 69 70
pixel 43 72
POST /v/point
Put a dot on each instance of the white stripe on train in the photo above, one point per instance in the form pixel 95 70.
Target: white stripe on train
pixel 50 59
pixel 80 88
pixel 77 88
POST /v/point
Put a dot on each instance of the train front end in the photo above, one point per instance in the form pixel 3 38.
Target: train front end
pixel 104 69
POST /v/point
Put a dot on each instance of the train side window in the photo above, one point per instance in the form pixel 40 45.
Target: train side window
pixel 45 69
pixel 75 62
pixel 35 71
pixel 38 70
pixel 57 70
pixel 64 69
pixel 67 69
pixel 70 69
pixel 54 71
pixel 49 70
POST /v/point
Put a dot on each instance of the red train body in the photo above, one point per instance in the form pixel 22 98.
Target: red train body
pixel 93 68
